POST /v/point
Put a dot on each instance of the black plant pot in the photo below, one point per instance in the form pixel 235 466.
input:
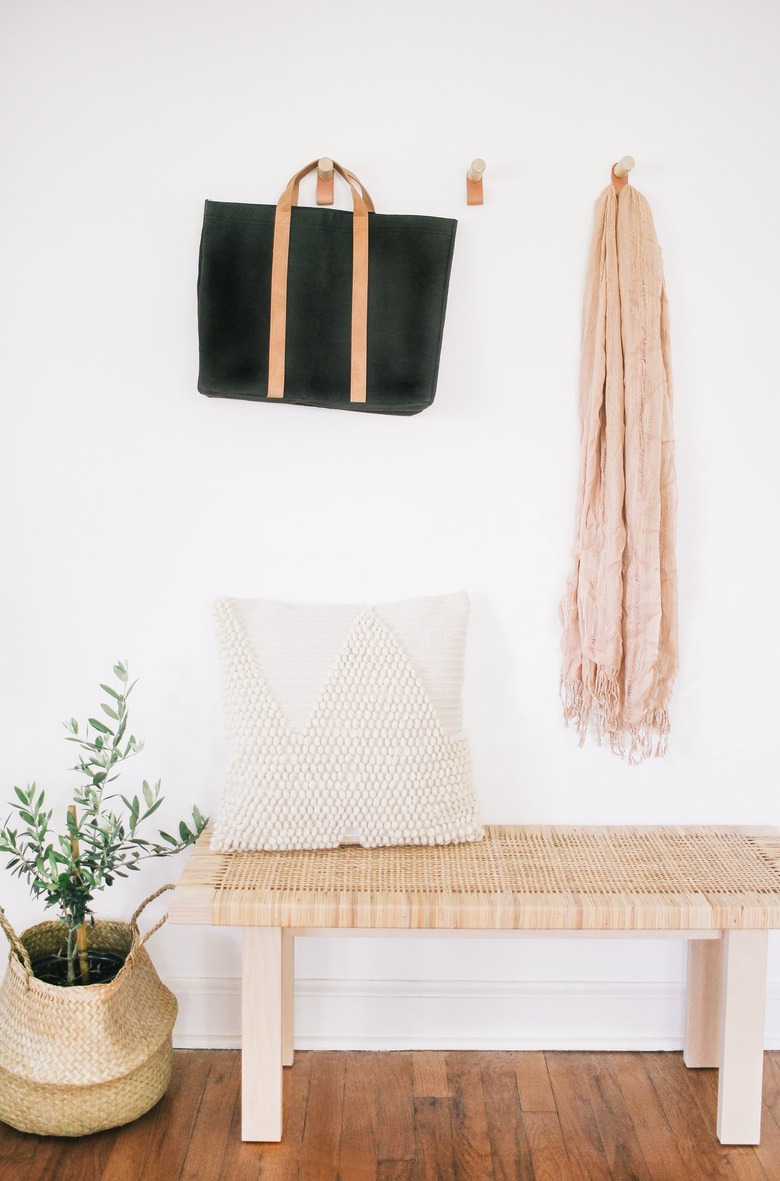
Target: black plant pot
pixel 103 966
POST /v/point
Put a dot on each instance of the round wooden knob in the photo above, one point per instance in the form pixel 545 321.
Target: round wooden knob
pixel 477 168
pixel 325 167
pixel 624 166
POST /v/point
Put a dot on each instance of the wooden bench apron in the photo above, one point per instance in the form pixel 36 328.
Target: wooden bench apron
pixel 717 887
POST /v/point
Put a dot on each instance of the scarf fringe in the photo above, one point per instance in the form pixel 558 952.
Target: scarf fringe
pixel 599 697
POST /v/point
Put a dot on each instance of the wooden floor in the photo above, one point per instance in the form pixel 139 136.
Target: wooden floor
pixel 400 1116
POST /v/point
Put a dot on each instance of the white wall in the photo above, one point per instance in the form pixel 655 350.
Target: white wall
pixel 130 502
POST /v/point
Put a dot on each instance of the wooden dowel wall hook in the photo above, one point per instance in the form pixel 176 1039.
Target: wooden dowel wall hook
pixel 620 172
pixel 474 193
pixel 325 181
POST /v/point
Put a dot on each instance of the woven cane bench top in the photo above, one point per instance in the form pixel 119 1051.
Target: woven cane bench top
pixel 517 878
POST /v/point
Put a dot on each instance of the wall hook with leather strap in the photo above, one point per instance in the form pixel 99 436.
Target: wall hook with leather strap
pixel 620 172
pixel 474 193
pixel 325 176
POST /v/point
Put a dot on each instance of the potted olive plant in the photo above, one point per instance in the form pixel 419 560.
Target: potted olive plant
pixel 85 1021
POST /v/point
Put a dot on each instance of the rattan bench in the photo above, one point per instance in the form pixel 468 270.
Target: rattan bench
pixel 717 887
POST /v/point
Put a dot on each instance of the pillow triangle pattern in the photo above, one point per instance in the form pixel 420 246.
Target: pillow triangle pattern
pixel 373 765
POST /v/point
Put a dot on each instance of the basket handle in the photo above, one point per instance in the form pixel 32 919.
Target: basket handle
pixel 16 944
pixel 362 205
pixel 137 913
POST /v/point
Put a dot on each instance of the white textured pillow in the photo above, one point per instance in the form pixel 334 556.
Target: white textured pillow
pixel 347 725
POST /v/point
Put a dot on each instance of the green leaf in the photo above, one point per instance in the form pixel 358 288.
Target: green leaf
pixel 96 725
pixel 21 795
pixel 184 832
pixel 27 817
pixel 112 692
pixel 121 672
pixel 108 710
pixel 157 804
pixel 148 795
pixel 166 836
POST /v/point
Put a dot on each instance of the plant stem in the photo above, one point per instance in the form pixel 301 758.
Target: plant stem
pixel 81 930
pixel 70 957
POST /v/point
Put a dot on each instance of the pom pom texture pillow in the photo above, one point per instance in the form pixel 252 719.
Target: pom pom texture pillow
pixel 347 725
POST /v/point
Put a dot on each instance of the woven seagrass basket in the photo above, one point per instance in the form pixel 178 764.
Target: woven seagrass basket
pixel 80 1059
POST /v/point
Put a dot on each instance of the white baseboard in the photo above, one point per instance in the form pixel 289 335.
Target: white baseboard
pixel 354 1014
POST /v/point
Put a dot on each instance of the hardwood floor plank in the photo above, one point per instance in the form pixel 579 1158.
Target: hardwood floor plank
pixel 241 1161
pixel 16 1156
pixel 548 1149
pixel 631 1116
pixel 430 1074
pixel 587 1159
pixel 155 1146
pixel 275 1162
pixel 357 1152
pixel 771 1091
pixel 435 1160
pixel 24 1155
pixel 209 1138
pixel 703 1156
pixel 470 1138
pixel 324 1115
pixel 509 1145
pixel 745 1165
pixel 621 1145
pixel 395 1107
pixel 703 1086
pixel 743 1161
pixel 657 1138
pixel 533 1081
pixel 768 1151
pixel 91 1167
pixel 395 1170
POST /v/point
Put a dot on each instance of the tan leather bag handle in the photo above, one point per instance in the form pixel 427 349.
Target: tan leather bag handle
pixel 362 205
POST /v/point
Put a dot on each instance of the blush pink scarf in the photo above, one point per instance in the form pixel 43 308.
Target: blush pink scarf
pixel 620 609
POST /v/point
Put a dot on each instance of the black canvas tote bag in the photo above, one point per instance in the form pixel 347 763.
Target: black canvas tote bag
pixel 322 307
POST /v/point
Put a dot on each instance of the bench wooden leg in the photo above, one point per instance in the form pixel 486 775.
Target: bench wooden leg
pixel 261 1034
pixel 702 1003
pixel 743 1003
pixel 288 998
